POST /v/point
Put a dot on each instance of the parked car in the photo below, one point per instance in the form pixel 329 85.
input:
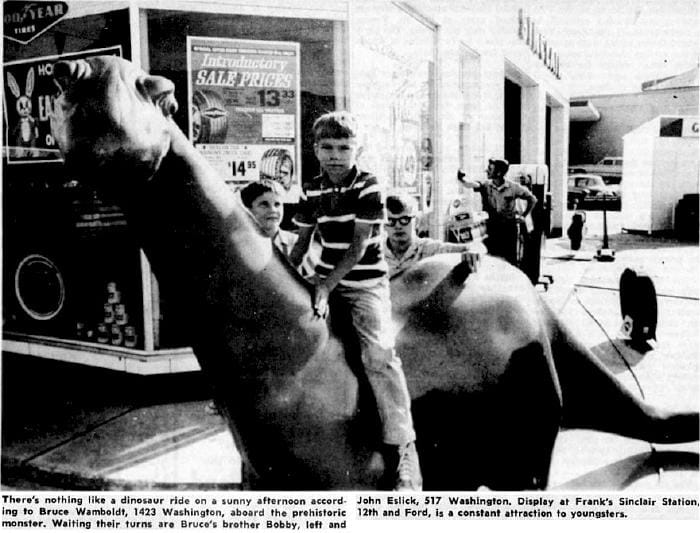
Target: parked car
pixel 611 161
pixel 614 184
pixel 606 167
pixel 589 188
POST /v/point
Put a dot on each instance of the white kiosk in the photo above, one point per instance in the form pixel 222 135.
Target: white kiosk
pixel 661 166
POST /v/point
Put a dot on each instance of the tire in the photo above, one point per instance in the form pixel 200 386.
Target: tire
pixel 638 306
pixel 39 287
pixel 209 117
pixel 196 125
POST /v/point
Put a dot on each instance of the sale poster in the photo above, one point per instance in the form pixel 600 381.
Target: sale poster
pixel 28 93
pixel 245 109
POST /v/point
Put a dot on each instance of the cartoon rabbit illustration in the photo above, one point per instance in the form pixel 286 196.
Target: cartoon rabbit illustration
pixel 26 132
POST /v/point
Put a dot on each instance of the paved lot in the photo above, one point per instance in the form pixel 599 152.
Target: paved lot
pixel 73 426
pixel 85 428
pixel 668 376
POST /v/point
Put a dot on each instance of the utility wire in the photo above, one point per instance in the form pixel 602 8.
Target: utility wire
pixel 612 343
pixel 657 466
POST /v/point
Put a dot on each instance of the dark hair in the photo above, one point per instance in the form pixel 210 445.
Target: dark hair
pixel 399 202
pixel 255 189
pixel 500 165
pixel 335 125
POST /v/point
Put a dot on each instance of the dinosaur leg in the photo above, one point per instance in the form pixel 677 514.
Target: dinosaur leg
pixel 530 412
pixel 501 437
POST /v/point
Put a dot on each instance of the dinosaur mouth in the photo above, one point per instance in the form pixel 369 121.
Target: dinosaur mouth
pixel 167 104
pixel 67 71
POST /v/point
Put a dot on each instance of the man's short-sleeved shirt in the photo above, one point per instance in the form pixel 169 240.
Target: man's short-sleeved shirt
pixel 334 209
pixel 502 199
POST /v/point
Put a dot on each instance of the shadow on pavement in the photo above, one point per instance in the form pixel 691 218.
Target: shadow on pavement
pixel 620 475
pixel 616 355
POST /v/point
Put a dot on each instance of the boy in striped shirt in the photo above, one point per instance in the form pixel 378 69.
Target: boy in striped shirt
pixel 345 205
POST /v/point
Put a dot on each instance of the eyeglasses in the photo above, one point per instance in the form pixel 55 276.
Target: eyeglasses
pixel 404 221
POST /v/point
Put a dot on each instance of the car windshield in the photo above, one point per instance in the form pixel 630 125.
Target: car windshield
pixel 612 180
pixel 586 182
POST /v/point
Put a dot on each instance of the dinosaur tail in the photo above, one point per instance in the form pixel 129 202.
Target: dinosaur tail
pixel 593 398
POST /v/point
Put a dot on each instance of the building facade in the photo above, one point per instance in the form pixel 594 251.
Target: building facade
pixel 438 85
pixel 599 122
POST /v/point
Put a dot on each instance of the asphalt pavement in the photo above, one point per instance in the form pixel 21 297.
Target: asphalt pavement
pixel 586 296
pixel 71 427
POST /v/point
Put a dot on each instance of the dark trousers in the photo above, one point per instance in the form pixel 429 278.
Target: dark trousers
pixel 502 239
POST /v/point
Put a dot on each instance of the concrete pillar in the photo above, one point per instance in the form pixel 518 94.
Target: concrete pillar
pixel 533 124
pixel 558 165
pixel 493 75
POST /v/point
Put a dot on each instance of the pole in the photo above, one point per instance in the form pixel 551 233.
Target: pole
pixel 605 253
pixel 605 222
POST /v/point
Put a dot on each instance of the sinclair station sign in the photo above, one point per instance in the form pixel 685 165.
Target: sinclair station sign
pixel 537 43
pixel 25 21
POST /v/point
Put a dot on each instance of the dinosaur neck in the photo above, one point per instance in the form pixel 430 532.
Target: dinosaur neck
pixel 243 297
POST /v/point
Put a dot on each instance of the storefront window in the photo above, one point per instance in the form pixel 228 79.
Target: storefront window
pixel 28 80
pixel 394 96
pixel 253 86
pixel 69 236
pixel 70 268
pixel 256 85
pixel 471 157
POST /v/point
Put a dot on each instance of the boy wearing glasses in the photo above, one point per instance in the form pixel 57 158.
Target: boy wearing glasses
pixel 403 248
pixel 344 204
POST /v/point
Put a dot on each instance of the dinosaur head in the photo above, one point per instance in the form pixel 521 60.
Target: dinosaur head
pixel 110 116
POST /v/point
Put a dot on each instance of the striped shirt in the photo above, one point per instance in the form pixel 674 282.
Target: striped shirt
pixel 334 209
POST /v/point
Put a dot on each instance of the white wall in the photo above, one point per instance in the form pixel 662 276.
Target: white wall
pixel 658 171
pixel 533 119
pixel 675 174
pixel 637 175
pixel 558 163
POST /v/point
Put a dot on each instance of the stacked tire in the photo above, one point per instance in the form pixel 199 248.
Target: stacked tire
pixel 209 117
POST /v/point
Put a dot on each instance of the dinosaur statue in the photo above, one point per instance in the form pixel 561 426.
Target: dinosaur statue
pixel 492 372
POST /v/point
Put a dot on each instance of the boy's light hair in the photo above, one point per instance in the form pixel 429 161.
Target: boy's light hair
pixel 336 125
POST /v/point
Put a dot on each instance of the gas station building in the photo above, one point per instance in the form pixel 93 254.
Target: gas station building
pixel 438 86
